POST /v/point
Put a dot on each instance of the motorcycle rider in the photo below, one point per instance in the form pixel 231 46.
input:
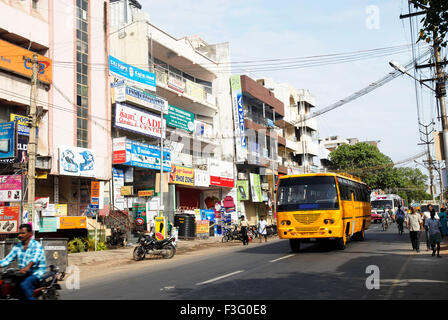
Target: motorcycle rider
pixel 385 217
pixel 31 260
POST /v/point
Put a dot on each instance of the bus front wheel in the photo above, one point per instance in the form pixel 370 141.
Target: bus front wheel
pixel 295 245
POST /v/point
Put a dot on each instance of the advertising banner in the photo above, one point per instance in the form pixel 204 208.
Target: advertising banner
pixel 8 140
pixel 179 118
pixel 131 74
pixel 203 129
pixel 195 90
pixel 71 222
pixel 137 120
pixel 255 187
pixel 238 118
pixel 182 175
pixel 118 183
pixel 22 123
pixel 243 190
pixel 22 151
pixel 119 150
pixel 10 188
pixel 176 83
pixel 160 226
pixel 221 173
pixel 201 178
pixel 124 93
pixel 75 161
pixel 61 210
pixel 9 219
pixel 202 227
pixel 19 60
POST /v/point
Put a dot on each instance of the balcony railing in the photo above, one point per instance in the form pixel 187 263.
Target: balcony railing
pixel 196 91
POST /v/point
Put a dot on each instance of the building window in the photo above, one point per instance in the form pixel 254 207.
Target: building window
pixel 82 91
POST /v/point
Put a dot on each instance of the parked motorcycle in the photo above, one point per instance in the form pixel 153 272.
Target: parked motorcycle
pixel 150 245
pixel 117 237
pixel 47 289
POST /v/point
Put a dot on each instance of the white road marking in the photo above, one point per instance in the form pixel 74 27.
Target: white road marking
pixel 219 278
pixel 291 255
pixel 167 288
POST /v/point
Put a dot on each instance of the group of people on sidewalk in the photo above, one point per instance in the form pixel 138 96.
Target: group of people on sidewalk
pixel 435 226
pixel 262 229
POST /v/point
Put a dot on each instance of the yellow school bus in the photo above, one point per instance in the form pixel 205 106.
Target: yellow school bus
pixel 321 207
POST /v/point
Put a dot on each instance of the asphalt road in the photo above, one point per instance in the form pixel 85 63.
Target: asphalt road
pixel 271 271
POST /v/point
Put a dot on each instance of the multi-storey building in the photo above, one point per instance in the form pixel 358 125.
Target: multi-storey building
pixel 195 91
pixel 256 110
pixel 73 145
pixel 301 149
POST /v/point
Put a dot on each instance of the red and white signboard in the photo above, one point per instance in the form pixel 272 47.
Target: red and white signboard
pixel 119 150
pixel 221 173
pixel 9 219
pixel 136 120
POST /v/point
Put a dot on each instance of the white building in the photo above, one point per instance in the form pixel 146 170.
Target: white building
pixel 300 155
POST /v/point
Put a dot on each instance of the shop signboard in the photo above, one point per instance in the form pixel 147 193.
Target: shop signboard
pixel 195 90
pixel 146 193
pixel 20 61
pixel 126 191
pixel 138 121
pixel 49 210
pixel 71 222
pixel 8 140
pixel 9 219
pixel 119 150
pixel 22 151
pixel 124 93
pixel 182 175
pixel 49 224
pixel 203 130
pixel 221 173
pixel 243 190
pixel 238 117
pixel 255 187
pixel 132 75
pixel 179 118
pixel 176 83
pixel 75 161
pixel 146 156
pixel 10 188
pixel 201 178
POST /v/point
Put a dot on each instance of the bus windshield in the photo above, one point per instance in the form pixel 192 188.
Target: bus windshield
pixel 307 193
pixel 382 204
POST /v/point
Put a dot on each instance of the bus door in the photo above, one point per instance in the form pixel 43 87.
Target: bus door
pixel 349 226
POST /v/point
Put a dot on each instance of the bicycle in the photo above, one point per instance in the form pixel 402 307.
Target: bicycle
pixel 385 223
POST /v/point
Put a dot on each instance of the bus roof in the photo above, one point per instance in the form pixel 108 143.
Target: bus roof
pixel 326 174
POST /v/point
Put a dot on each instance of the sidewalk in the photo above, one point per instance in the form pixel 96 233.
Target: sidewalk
pixel 124 255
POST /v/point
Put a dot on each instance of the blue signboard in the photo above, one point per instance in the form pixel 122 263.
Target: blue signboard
pixel 137 76
pixel 147 156
pixel 7 140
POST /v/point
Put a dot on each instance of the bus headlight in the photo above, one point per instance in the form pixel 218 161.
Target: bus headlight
pixel 283 222
pixel 326 221
pixel 288 222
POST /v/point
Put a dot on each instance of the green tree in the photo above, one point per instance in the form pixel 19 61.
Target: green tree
pixel 366 162
pixel 436 19
pixel 413 185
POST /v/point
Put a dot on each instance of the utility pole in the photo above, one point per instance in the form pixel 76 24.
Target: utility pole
pixel 428 141
pixel 32 144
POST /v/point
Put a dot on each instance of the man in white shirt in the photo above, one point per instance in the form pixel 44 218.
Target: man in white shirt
pixel 262 230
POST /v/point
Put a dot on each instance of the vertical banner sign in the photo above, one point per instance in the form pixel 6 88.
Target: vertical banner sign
pixel 238 118
pixel 95 194
pixel 255 187
pixel 160 225
pixel 7 140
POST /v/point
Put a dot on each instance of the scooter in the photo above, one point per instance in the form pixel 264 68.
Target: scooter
pixel 47 289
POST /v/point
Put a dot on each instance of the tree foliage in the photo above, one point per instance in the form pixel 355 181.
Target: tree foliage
pixel 436 19
pixel 376 170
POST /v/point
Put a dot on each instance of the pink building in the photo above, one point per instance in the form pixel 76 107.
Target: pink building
pixel 74 134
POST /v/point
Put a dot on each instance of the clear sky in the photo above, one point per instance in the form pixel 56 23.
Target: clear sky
pixel 259 29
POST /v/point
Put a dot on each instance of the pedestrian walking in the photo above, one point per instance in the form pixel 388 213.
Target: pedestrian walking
pixel 443 221
pixel 427 216
pixel 244 225
pixel 262 225
pixel 414 223
pixel 435 233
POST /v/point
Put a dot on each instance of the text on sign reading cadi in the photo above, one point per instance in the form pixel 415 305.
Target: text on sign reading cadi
pixel 146 124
